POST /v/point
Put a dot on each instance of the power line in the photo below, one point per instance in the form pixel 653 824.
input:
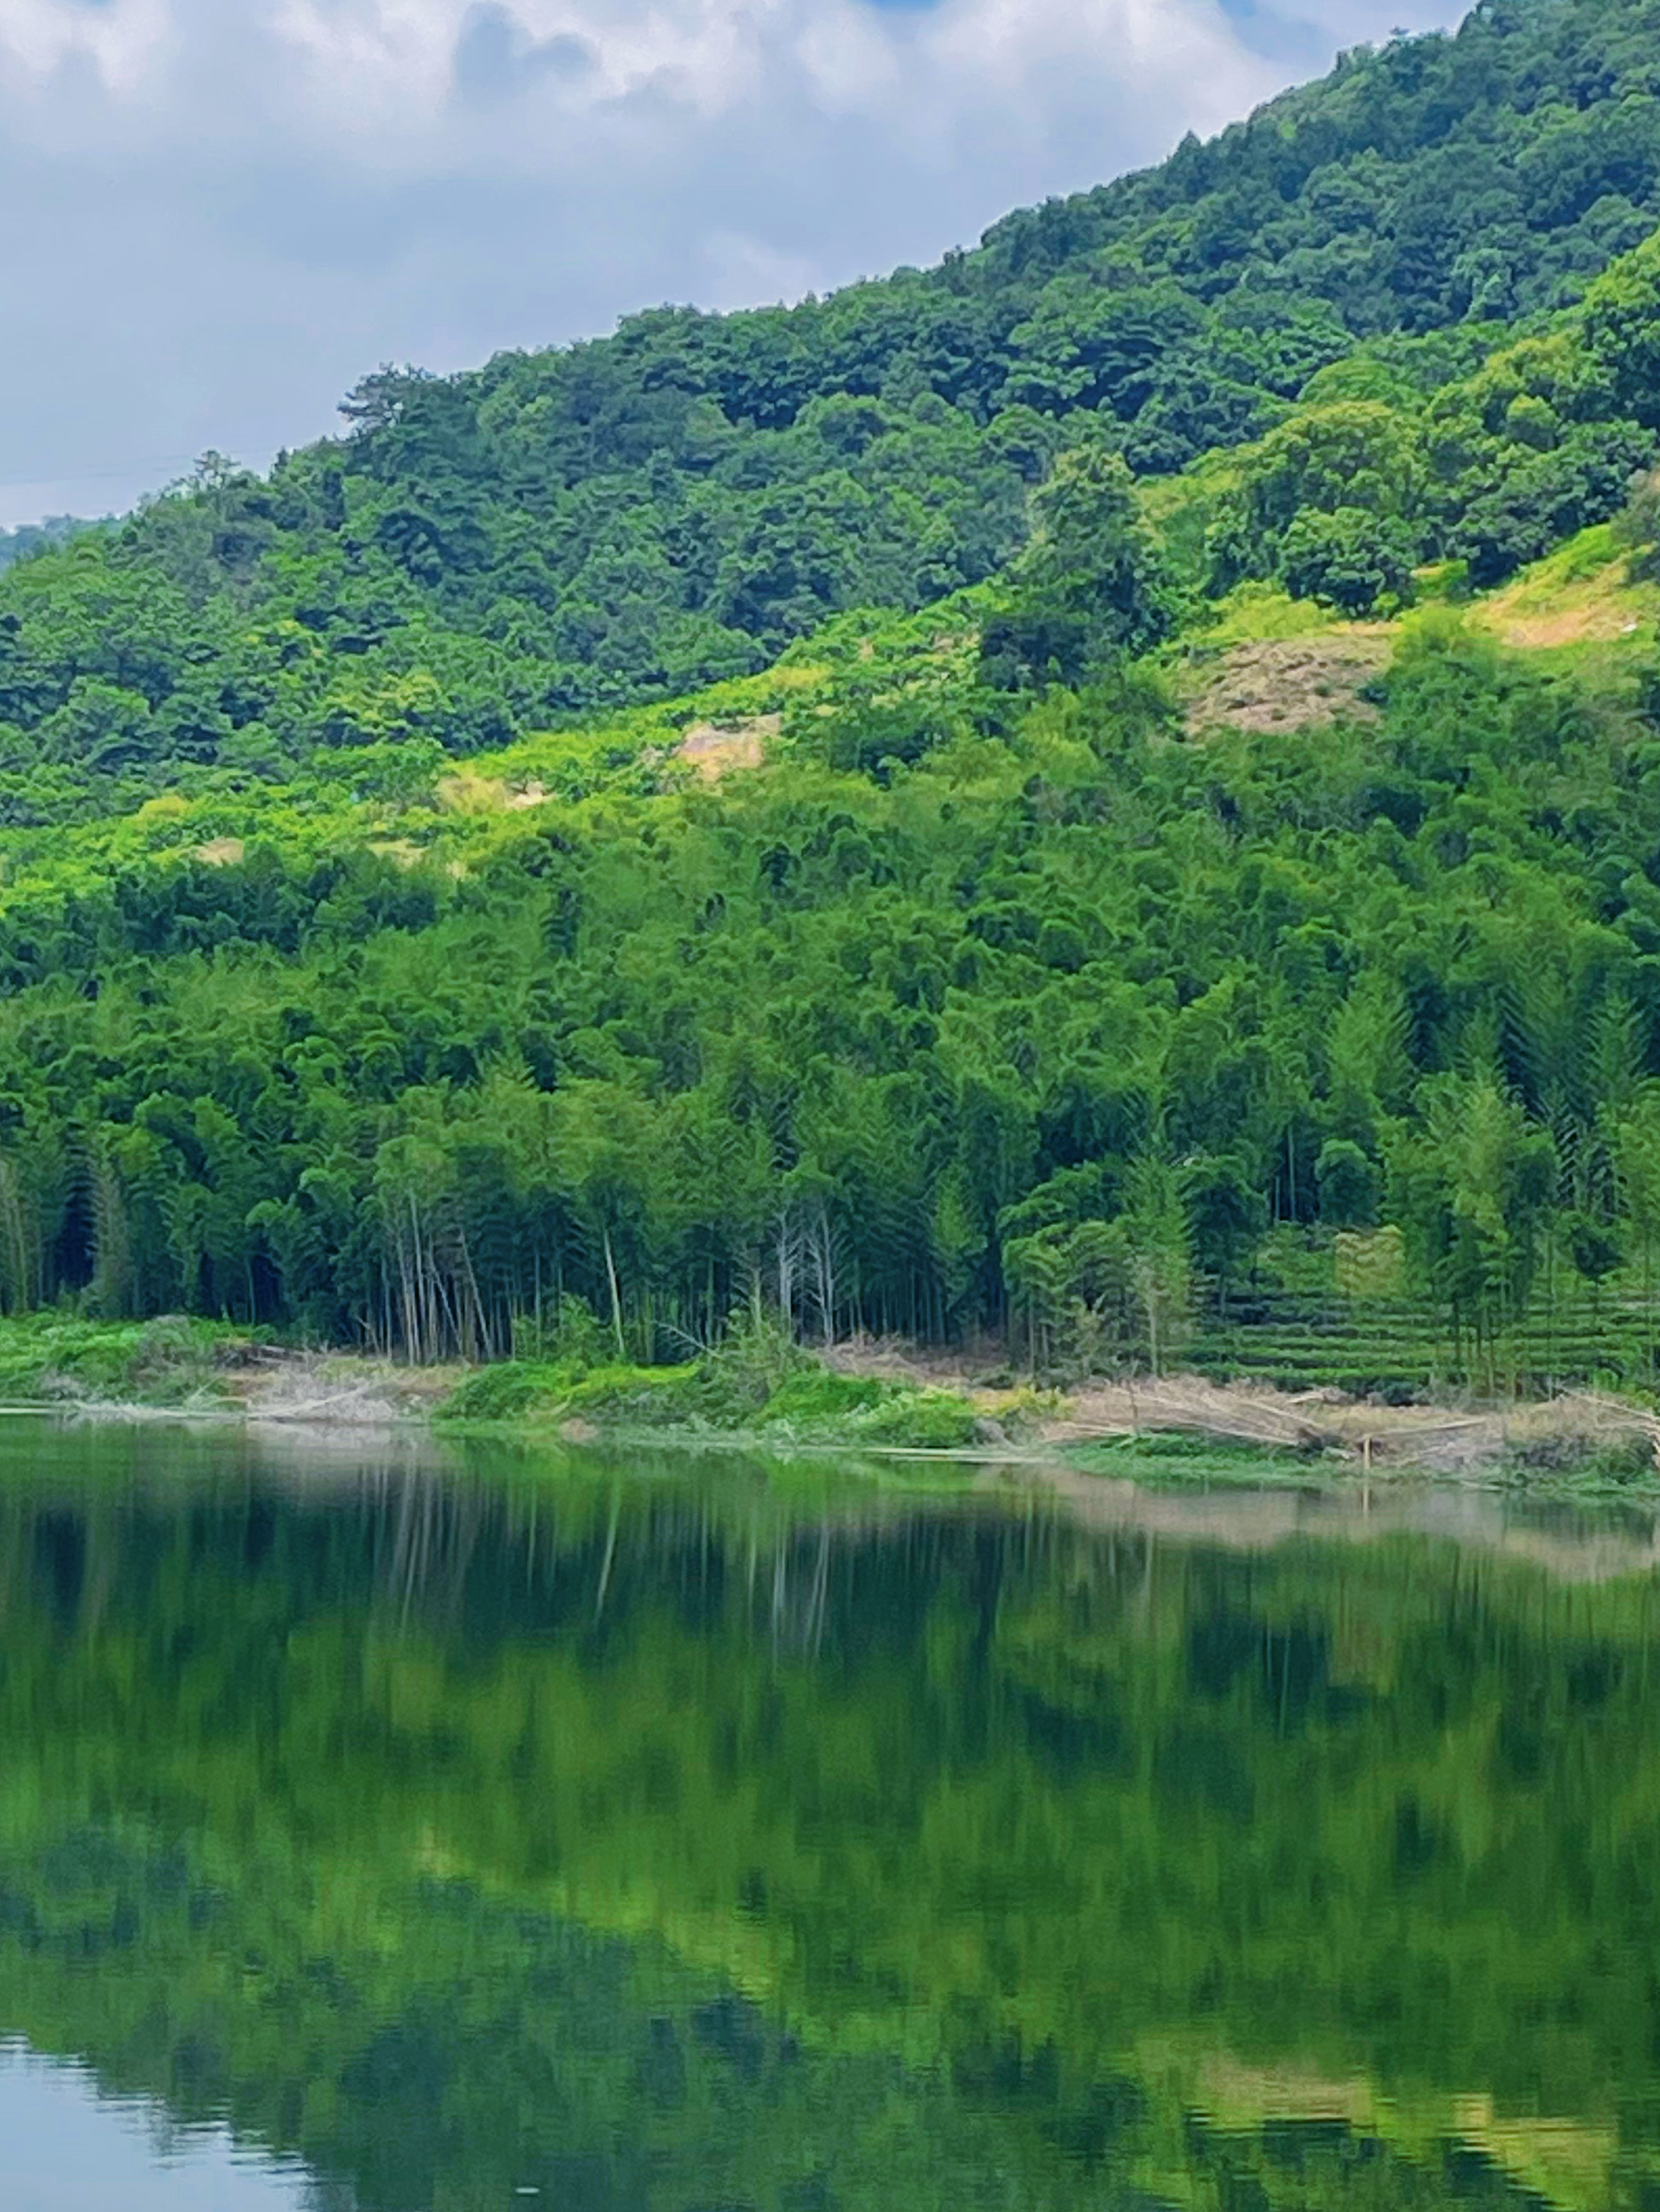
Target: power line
pixel 99 475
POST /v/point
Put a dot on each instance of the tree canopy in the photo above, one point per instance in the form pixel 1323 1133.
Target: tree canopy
pixel 731 802
pixel 674 505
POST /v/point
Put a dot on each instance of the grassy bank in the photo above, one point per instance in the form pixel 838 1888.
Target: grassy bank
pixel 759 1390
pixel 757 1387
pixel 59 1359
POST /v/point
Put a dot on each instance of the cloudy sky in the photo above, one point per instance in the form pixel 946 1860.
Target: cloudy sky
pixel 220 213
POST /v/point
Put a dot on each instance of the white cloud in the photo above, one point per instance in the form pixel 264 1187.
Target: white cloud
pixel 121 40
pixel 223 211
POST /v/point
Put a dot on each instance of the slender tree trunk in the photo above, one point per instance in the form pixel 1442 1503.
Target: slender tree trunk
pixel 616 1301
pixel 481 1317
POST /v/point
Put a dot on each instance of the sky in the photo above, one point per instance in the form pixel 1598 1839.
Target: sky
pixel 221 214
pixel 69 2150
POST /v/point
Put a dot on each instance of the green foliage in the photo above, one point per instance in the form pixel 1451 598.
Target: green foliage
pixel 552 1390
pixel 1092 583
pixel 1348 1183
pixel 1622 331
pixel 813 1396
pixel 816 1404
pixel 1351 560
pixel 505 1392
pixel 572 1337
pixel 1041 1031
pixel 1639 529
pixel 171 1361
pixel 920 1420
pixel 756 1380
pixel 369 964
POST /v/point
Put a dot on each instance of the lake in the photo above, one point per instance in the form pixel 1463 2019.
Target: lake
pixel 389 1828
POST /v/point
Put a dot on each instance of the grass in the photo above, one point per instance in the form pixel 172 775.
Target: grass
pixel 753 1387
pixel 1262 614
pixel 1180 1460
pixel 567 1389
pixel 56 1358
pixel 1579 595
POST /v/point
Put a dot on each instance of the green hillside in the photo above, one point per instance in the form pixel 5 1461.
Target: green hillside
pixel 676 504
pixel 1106 794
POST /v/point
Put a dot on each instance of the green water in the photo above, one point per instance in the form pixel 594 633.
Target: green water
pixel 389 1830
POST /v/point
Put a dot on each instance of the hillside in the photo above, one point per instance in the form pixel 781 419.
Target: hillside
pixel 676 504
pixel 1104 795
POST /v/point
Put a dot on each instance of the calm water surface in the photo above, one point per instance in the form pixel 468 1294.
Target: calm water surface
pixel 385 1833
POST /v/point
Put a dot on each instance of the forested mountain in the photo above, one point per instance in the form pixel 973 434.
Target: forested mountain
pixel 393 944
pixel 677 503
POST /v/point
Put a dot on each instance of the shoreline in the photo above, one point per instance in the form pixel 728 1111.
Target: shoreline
pixel 887 1403
pixel 1182 1432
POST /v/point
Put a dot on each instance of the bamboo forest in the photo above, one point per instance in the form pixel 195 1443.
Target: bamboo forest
pixel 1103 796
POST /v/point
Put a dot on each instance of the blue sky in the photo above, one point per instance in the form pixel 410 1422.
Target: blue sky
pixel 223 212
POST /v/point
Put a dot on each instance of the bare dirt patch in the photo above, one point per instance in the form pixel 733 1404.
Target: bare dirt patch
pixel 1292 683
pixel 468 791
pixel 1438 1440
pixel 1564 626
pixel 1452 1439
pixel 1547 607
pixel 1590 621
pixel 715 750
pixel 340 1390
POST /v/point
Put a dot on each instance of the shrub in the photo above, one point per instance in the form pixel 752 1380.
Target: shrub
pixel 1352 560
pixel 573 1336
pixel 1639 530
pixel 501 1392
pixel 1593 1461
pixel 818 1395
pixel 920 1420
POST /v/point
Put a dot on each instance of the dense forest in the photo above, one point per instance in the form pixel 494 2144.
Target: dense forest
pixel 1105 794
pixel 678 502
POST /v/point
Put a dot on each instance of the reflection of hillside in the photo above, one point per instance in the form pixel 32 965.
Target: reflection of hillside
pixel 1565 2163
pixel 748 1500
pixel 334 1804
pixel 1573 1546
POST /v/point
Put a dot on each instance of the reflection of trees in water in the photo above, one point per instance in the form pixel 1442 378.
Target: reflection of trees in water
pixel 1014 1795
pixel 447 1550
